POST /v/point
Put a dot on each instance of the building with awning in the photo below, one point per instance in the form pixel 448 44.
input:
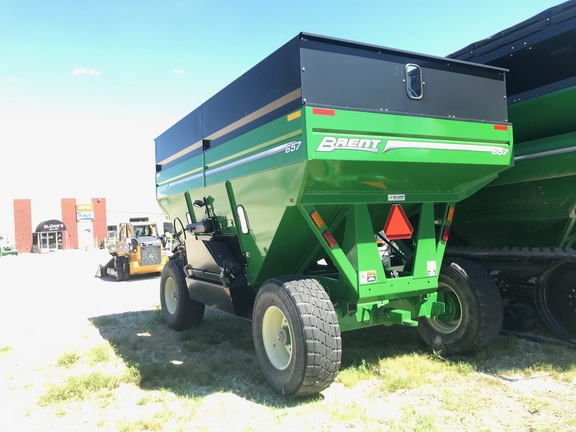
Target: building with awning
pixel 50 235
pixel 78 225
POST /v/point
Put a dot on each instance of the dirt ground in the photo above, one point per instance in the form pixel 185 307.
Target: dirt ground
pixel 49 303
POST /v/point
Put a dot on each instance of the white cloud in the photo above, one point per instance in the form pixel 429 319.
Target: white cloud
pixel 178 71
pixel 85 71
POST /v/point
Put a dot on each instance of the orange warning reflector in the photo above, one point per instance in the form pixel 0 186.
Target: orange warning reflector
pixel 397 226
pixel 450 215
pixel 318 221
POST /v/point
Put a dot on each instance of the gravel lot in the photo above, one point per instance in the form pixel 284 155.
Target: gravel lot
pixel 47 303
pixel 49 296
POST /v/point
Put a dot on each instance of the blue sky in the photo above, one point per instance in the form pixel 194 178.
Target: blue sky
pixel 86 85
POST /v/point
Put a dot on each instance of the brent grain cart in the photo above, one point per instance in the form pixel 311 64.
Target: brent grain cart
pixel 522 227
pixel 315 194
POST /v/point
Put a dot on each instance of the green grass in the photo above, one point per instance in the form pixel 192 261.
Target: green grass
pixel 178 378
pixel 78 388
pixel 68 358
pixel 102 353
pixel 404 371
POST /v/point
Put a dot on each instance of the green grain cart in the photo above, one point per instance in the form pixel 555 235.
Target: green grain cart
pixel 522 227
pixel 315 195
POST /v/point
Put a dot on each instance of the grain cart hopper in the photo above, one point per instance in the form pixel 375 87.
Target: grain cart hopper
pixel 283 184
pixel 522 227
pixel 138 251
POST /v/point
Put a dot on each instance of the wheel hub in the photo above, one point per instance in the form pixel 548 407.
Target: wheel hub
pixel 452 308
pixel 450 320
pixel 171 296
pixel 276 338
pixel 284 336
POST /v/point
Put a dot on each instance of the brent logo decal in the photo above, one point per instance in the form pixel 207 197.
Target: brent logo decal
pixel 330 143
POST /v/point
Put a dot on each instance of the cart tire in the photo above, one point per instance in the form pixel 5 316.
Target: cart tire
pixel 474 310
pixel 296 336
pixel 179 311
pixel 555 299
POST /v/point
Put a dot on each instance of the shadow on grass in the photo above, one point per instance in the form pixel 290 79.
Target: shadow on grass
pixel 507 354
pixel 218 356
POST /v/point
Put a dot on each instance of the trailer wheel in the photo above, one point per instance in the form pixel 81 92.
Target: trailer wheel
pixel 179 311
pixel 296 336
pixel 474 311
pixel 555 298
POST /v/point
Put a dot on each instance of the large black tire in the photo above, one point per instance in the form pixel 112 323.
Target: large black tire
pixel 474 311
pixel 179 311
pixel 296 336
pixel 555 299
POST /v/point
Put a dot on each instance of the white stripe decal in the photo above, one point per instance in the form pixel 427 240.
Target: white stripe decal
pixel 243 161
pixel 393 145
pixel 164 188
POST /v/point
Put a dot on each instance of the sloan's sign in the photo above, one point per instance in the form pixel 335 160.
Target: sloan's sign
pixel 51 225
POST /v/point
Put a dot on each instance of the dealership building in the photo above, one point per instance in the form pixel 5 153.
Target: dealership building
pixel 80 225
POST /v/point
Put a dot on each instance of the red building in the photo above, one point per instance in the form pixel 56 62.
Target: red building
pixel 81 225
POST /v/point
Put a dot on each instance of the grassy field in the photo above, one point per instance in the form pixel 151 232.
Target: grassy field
pixel 81 353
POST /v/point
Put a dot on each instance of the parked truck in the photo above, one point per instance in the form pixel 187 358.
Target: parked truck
pixel 315 194
pixel 137 250
pixel 521 228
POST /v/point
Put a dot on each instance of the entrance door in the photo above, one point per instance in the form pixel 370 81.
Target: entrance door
pixel 49 241
pixel 43 242
pixel 85 234
pixel 52 242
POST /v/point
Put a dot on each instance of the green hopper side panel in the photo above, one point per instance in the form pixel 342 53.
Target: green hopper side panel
pixel 534 203
pixel 396 165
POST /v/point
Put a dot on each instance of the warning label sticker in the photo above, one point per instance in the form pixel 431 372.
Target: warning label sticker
pixel 431 267
pixel 367 276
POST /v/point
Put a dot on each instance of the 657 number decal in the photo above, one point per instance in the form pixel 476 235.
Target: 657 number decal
pixel 292 146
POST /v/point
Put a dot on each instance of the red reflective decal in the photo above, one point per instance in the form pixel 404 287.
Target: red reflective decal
pixel 323 111
pixel 329 238
pixel 446 234
pixel 501 127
